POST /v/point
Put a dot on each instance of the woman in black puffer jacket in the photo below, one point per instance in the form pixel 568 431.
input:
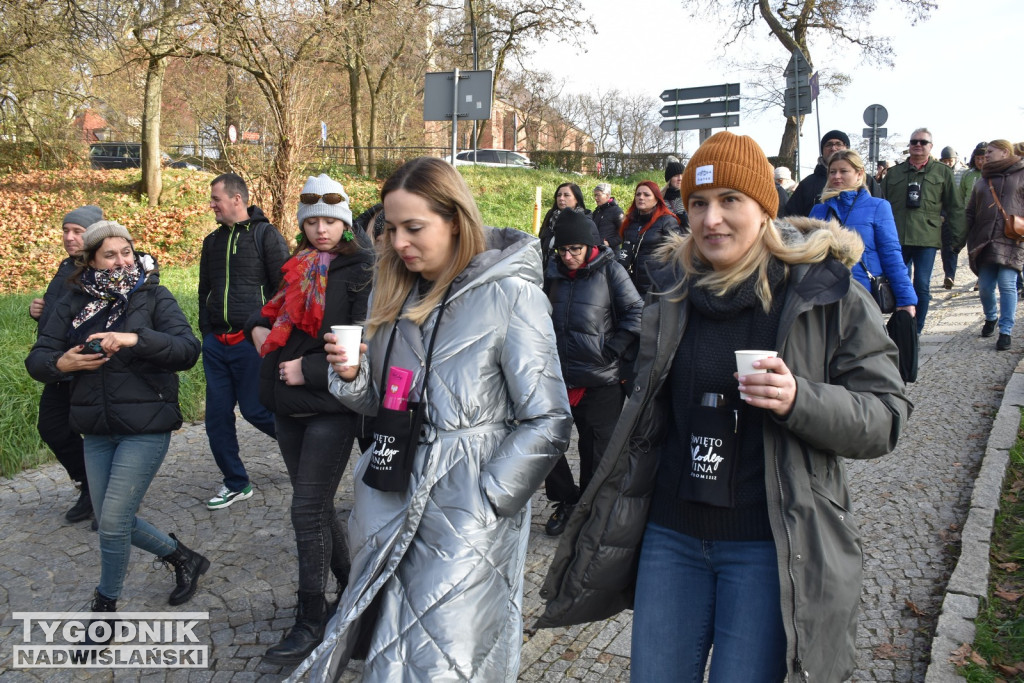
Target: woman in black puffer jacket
pixel 122 338
pixel 646 226
pixel 325 282
pixel 596 315
pixel 568 197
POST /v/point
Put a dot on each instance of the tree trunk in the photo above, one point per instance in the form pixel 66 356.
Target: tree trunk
pixel 354 76
pixel 232 104
pixel 281 180
pixel 152 180
pixel 787 148
pixel 371 142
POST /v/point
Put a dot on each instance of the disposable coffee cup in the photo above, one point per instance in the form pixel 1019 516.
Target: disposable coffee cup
pixel 348 337
pixel 745 363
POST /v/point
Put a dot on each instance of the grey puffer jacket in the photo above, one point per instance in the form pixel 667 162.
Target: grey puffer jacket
pixel 986 242
pixel 850 403
pixel 440 566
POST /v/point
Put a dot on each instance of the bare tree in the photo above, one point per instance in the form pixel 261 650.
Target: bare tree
pixel 277 44
pixel 509 29
pixel 372 62
pixel 794 23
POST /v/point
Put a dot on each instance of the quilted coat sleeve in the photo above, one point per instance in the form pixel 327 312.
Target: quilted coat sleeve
pixel 860 408
pixel 170 342
pixel 890 254
pixel 51 343
pixel 628 307
pixel 540 403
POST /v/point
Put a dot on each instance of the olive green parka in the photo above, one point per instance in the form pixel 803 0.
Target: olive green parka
pixel 850 403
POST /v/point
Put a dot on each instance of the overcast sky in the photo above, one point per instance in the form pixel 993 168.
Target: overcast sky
pixel 957 73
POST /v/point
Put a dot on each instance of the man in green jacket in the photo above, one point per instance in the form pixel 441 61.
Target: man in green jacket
pixel 920 189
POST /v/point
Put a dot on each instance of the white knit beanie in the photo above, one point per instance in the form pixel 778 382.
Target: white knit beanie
pixel 321 185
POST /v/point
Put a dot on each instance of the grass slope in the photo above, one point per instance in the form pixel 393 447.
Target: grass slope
pixel 33 205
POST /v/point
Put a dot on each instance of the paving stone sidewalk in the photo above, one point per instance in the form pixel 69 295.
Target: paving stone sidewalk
pixel 911 506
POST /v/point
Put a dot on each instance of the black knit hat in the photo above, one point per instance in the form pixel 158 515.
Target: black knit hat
pixel 673 169
pixel 834 135
pixel 574 228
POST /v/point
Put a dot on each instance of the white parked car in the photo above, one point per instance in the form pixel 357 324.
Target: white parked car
pixel 493 157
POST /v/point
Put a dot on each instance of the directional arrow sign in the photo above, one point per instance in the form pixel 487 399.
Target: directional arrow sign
pixel 669 125
pixel 798 65
pixel 698 108
pixel 701 93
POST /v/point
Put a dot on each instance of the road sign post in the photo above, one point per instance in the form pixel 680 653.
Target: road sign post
pixel 799 96
pixel 457 95
pixel 875 115
pixel 721 100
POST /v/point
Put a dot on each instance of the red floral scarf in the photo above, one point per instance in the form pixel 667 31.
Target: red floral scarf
pixel 300 301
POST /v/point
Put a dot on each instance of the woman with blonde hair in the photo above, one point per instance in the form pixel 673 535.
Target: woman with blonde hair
pixel 995 258
pixel 847 200
pixel 442 513
pixel 719 511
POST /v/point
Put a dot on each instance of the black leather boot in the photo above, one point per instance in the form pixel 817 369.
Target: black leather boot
pixel 101 603
pixel 188 567
pixel 311 617
pixel 82 509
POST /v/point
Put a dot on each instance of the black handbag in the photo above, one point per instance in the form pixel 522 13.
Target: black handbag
pixel 396 433
pixel 881 291
pixel 881 288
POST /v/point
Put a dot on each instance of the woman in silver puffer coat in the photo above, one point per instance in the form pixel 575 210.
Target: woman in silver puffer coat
pixel 435 589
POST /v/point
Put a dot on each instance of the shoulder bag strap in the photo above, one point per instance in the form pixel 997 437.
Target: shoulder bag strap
pixel 996 197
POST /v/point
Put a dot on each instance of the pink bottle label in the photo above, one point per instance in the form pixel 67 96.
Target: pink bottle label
pixel 396 391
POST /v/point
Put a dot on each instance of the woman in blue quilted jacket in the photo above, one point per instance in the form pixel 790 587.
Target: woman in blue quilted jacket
pixel 847 200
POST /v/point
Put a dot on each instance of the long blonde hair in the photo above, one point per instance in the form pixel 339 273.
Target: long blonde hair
pixel 814 248
pixel 852 157
pixel 447 195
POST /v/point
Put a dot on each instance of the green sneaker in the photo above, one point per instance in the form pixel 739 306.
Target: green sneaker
pixel 226 497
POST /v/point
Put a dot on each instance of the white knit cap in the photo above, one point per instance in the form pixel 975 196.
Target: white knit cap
pixel 323 184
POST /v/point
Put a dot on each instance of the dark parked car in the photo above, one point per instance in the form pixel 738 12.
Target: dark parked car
pixel 129 155
pixel 115 154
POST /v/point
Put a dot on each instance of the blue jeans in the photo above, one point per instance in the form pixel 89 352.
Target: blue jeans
pixel 315 451
pixel 120 469
pixel 232 376
pixel 692 594
pixel 920 262
pixel 991 275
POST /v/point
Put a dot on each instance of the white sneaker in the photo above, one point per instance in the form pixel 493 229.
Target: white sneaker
pixel 226 497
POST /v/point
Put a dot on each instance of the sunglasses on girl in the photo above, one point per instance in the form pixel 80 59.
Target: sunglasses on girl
pixel 329 198
pixel 574 249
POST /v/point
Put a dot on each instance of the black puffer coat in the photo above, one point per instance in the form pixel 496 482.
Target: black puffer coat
pixel 348 287
pixel 57 288
pixel 547 231
pixel 596 315
pixel 136 391
pixel 638 249
pixel 236 277
pixel 608 218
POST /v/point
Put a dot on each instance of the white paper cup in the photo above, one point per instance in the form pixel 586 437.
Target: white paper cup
pixel 745 363
pixel 349 337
